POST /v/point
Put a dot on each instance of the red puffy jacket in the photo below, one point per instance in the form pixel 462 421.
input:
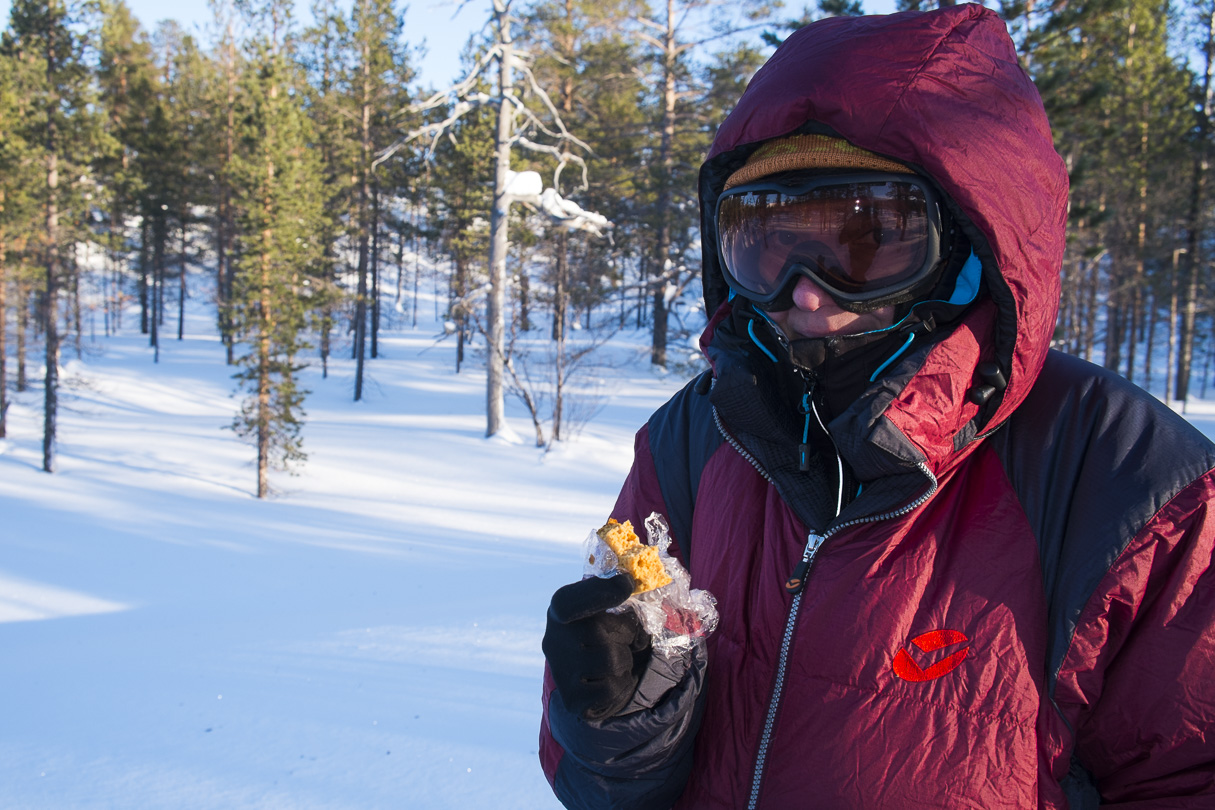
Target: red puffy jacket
pixel 1018 609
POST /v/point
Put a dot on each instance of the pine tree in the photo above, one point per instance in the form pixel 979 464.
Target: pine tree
pixel 277 179
pixel 18 209
pixel 167 167
pixel 462 181
pixel 379 68
pixel 126 84
pixel 187 97
pixel 324 55
pixel 582 61
pixel 681 138
pixel 1118 106
pixel 1198 218
pixel 42 40
pixel 217 157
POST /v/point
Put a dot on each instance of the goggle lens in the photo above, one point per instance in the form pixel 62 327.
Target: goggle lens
pixel 859 238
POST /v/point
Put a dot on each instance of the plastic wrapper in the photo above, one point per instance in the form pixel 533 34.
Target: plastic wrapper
pixel 674 615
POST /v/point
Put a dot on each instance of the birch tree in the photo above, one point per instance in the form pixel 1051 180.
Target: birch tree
pixel 528 119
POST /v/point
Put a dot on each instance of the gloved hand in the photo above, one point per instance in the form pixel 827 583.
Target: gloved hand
pixel 596 657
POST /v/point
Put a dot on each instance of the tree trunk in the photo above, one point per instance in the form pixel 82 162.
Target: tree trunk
pixel 23 325
pixel 161 268
pixel 265 324
pixel 1185 356
pixel 1151 340
pixel 263 385
pixel 666 157
pixel 561 285
pixel 227 227
pixel 456 310
pixel 3 328
pixel 375 271
pixel 495 403
pixel 181 290
pixel 51 400
pixel 1172 355
pixel 417 270
pixel 360 318
pixel 1113 317
pixel 525 316
pixel 325 329
pixel 396 301
pixel 144 261
pixel 158 272
pixel 1206 366
pixel 360 328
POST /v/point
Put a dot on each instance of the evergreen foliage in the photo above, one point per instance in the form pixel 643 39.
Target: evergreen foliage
pixel 130 162
pixel 276 177
pixel 59 123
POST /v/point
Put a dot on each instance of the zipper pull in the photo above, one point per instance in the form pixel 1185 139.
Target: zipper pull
pixel 797 580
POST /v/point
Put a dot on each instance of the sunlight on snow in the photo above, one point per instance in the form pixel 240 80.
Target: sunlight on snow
pixel 24 601
pixel 502 647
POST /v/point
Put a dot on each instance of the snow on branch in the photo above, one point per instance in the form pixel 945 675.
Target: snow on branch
pixel 564 158
pixel 528 188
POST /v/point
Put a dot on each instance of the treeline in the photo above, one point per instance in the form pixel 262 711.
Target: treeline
pixel 1128 89
pixel 274 157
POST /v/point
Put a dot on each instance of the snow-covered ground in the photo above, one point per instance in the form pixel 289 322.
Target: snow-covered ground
pixel 370 638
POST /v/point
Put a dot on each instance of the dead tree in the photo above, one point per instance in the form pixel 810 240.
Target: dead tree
pixel 518 125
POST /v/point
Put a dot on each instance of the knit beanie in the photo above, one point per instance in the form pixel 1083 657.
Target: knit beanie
pixel 810 152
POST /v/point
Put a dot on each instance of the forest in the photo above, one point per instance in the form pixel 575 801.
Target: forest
pixel 305 181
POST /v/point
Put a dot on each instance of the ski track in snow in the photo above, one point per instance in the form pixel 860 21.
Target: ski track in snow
pixel 368 638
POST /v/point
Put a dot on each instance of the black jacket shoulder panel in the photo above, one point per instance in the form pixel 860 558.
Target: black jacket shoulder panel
pixel 1092 458
pixel 683 435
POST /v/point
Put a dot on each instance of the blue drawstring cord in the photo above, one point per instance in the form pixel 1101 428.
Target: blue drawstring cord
pixel 755 340
pixel 804 449
pixel 873 377
pixel 966 288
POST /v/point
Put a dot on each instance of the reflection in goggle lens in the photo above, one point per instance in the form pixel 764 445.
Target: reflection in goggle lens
pixel 856 237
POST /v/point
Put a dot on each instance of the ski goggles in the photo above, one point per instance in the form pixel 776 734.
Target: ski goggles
pixel 869 239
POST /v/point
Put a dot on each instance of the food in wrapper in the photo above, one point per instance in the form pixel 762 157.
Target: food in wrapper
pixel 639 561
pixel 670 610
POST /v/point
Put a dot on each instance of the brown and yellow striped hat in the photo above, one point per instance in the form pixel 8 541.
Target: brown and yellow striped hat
pixel 810 152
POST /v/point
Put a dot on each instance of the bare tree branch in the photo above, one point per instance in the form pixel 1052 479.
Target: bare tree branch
pixel 437 129
pixel 564 158
pixel 548 104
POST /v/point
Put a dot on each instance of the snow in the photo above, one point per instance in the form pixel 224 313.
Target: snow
pixel 368 638
pixel 523 184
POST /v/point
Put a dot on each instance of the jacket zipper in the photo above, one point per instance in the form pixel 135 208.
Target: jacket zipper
pixel 738 446
pixel 796 585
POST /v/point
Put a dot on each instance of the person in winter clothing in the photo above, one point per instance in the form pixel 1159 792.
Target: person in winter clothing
pixel 954 568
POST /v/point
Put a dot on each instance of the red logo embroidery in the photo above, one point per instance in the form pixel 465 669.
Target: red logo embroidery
pixel 907 669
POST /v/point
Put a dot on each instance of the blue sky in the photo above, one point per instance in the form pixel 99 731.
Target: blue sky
pixel 445 25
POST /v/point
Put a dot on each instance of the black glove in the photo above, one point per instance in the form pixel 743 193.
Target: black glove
pixel 596 657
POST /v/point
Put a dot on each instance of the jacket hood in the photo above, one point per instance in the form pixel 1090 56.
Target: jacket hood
pixel 943 92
